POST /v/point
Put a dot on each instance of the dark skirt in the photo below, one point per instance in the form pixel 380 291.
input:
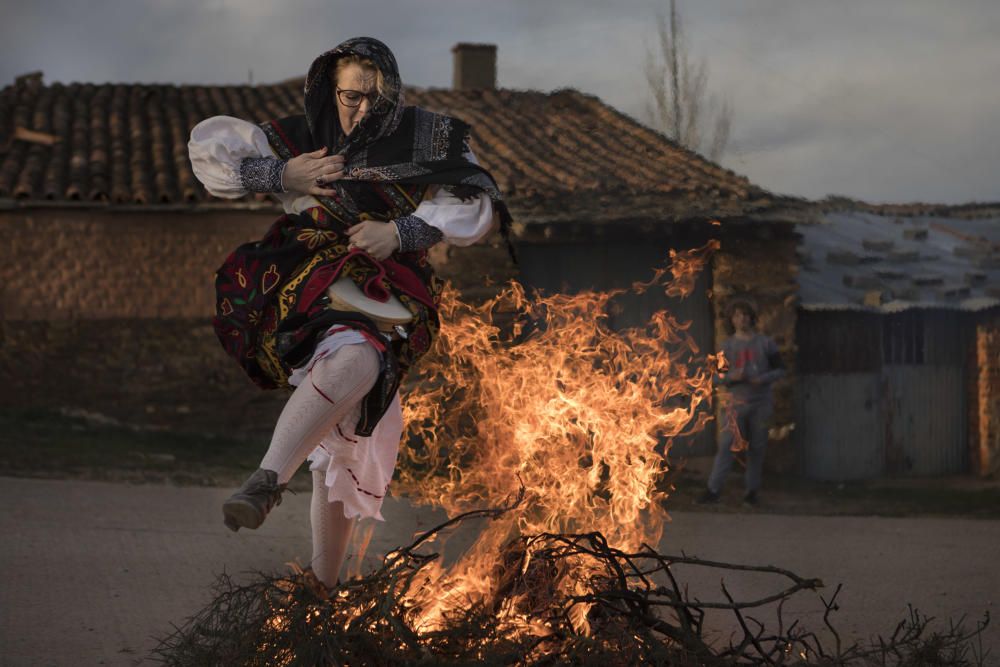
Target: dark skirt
pixel 271 303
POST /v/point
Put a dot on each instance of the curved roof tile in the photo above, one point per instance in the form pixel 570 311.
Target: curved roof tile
pixel 555 153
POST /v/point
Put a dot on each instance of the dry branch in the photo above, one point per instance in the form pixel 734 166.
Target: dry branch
pixel 635 611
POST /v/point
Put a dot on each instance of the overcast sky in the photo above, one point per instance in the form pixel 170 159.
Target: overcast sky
pixel 883 100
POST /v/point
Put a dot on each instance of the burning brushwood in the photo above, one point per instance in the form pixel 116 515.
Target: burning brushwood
pixel 568 418
pixel 629 608
pixel 552 395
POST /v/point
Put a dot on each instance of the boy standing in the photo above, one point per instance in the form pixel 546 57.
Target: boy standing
pixel 754 364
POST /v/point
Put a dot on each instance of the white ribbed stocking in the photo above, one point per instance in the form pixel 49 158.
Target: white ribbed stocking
pixel 331 532
pixel 334 387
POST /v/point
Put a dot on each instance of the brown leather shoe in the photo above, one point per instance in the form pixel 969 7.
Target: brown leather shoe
pixel 248 507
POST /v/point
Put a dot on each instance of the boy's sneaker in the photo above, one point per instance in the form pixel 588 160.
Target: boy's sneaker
pixel 751 499
pixel 707 498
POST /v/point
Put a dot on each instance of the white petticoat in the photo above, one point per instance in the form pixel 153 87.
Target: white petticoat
pixel 358 469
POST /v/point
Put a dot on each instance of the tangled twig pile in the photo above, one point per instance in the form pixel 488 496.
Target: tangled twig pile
pixel 633 610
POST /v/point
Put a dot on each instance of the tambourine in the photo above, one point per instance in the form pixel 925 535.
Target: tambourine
pixel 344 294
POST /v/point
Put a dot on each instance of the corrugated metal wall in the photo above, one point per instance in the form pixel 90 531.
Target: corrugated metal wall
pixel 925 420
pixel 836 448
pixel 900 412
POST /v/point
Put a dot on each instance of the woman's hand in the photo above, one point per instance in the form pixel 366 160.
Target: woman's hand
pixel 376 238
pixel 309 172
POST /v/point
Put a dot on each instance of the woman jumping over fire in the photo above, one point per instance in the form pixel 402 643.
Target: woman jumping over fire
pixel 337 299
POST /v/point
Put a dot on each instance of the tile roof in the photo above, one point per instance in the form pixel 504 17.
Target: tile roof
pixel 970 211
pixel 557 155
pixel 860 260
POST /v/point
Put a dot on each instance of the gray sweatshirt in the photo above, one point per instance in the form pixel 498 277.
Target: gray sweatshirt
pixel 758 358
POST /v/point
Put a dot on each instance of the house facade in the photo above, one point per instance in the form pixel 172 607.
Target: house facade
pixel 107 275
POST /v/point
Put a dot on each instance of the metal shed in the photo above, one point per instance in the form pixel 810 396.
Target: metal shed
pixel 886 342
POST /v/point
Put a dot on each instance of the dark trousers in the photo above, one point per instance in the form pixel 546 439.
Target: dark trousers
pixel 752 420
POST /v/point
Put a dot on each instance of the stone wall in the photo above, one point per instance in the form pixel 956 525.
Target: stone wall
pixel 142 373
pixel 68 264
pixel 478 271
pixel 108 314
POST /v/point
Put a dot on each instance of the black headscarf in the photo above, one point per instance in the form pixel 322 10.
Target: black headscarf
pixel 402 145
pixel 321 111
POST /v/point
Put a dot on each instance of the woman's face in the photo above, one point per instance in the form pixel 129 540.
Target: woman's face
pixel 355 85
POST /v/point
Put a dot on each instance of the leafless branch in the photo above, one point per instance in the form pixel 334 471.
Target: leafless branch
pixel 677 85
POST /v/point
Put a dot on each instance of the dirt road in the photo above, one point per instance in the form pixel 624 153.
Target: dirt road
pixel 94 571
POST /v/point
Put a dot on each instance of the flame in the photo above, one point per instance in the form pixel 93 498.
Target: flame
pixel 732 424
pixel 538 390
pixel 360 540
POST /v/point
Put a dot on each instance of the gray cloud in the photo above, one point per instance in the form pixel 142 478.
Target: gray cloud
pixel 895 100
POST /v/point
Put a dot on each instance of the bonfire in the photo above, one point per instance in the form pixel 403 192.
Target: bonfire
pixel 552 431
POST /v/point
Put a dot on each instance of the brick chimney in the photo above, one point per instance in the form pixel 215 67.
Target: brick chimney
pixel 475 67
pixel 31 80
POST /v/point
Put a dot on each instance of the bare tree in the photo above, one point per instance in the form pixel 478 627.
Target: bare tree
pixel 677 84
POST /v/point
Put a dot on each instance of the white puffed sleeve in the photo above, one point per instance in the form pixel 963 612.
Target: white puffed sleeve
pixel 461 222
pixel 216 147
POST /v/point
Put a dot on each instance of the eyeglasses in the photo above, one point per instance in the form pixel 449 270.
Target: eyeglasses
pixel 352 98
